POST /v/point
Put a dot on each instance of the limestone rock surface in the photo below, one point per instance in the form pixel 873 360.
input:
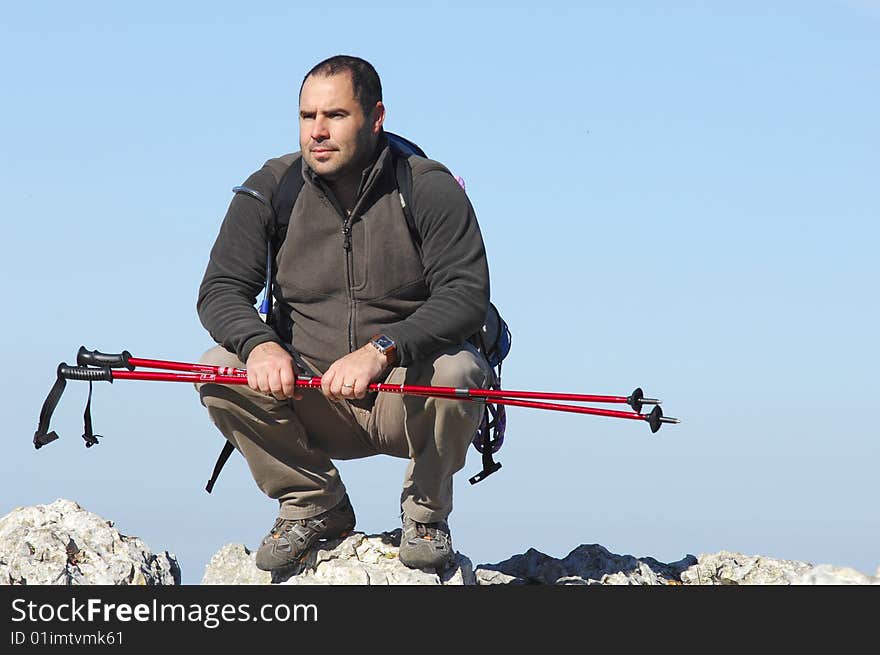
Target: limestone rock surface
pixel 588 564
pixel 836 575
pixel 728 568
pixel 63 544
pixel 234 564
pixel 358 559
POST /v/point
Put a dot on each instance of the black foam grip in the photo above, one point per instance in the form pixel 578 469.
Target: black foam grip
pixel 86 357
pixel 88 374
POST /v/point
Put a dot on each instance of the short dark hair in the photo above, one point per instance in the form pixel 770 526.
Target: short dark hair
pixel 364 78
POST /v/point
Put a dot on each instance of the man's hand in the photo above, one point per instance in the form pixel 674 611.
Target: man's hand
pixel 349 376
pixel 270 369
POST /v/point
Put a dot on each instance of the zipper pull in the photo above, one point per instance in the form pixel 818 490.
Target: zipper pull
pixel 346 234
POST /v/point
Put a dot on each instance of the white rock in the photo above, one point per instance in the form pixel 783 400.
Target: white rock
pixel 738 569
pixel 234 564
pixel 490 576
pixel 63 544
pixel 825 574
pixel 359 559
pixel 735 568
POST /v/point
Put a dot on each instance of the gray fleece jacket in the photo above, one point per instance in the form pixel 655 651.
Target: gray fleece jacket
pixel 342 280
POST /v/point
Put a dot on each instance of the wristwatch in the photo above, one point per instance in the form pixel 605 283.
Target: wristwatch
pixel 386 346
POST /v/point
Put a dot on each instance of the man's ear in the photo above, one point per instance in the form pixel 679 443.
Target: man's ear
pixel 377 118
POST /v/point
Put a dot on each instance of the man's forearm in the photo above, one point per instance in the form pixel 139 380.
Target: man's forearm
pixel 232 320
pixel 445 319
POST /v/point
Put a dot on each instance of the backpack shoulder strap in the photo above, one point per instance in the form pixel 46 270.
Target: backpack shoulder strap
pixel 401 149
pixel 403 172
pixel 285 198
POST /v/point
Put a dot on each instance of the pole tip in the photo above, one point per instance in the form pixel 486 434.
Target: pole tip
pixel 655 419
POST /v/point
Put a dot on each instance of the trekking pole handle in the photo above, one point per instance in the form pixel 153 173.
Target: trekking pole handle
pixel 88 374
pixel 85 357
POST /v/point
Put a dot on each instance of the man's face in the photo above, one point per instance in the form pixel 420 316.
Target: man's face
pixel 335 136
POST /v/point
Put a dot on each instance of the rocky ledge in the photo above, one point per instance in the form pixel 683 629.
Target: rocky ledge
pixel 64 544
pixel 61 543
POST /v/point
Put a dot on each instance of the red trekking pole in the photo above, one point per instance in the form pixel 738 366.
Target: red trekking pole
pixel 93 366
pixel 203 373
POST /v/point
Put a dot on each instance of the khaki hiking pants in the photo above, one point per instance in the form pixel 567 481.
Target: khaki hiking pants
pixel 289 444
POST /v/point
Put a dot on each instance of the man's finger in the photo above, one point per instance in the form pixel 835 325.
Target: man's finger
pixel 287 381
pixel 326 381
pixel 275 385
pixel 263 379
pixel 336 386
pixel 360 388
pixel 297 393
pixel 347 388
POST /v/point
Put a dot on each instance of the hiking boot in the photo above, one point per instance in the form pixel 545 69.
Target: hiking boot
pixel 290 539
pixel 425 545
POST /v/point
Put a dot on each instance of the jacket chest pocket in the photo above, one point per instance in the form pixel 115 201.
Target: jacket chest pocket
pixel 311 262
pixel 387 258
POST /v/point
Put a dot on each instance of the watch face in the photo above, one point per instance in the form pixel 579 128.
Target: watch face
pixel 383 342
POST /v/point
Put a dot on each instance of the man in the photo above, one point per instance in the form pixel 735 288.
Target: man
pixel 361 304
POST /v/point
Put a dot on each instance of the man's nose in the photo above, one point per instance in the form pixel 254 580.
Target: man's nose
pixel 319 129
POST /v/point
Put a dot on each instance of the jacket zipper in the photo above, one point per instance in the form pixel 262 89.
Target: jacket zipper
pixel 346 246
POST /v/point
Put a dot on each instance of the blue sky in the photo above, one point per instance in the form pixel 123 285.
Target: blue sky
pixel 680 196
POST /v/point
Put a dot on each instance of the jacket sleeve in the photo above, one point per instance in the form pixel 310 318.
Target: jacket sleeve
pixel 456 270
pixel 236 273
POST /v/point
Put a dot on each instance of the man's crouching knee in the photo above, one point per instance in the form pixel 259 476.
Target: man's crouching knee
pixel 461 367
